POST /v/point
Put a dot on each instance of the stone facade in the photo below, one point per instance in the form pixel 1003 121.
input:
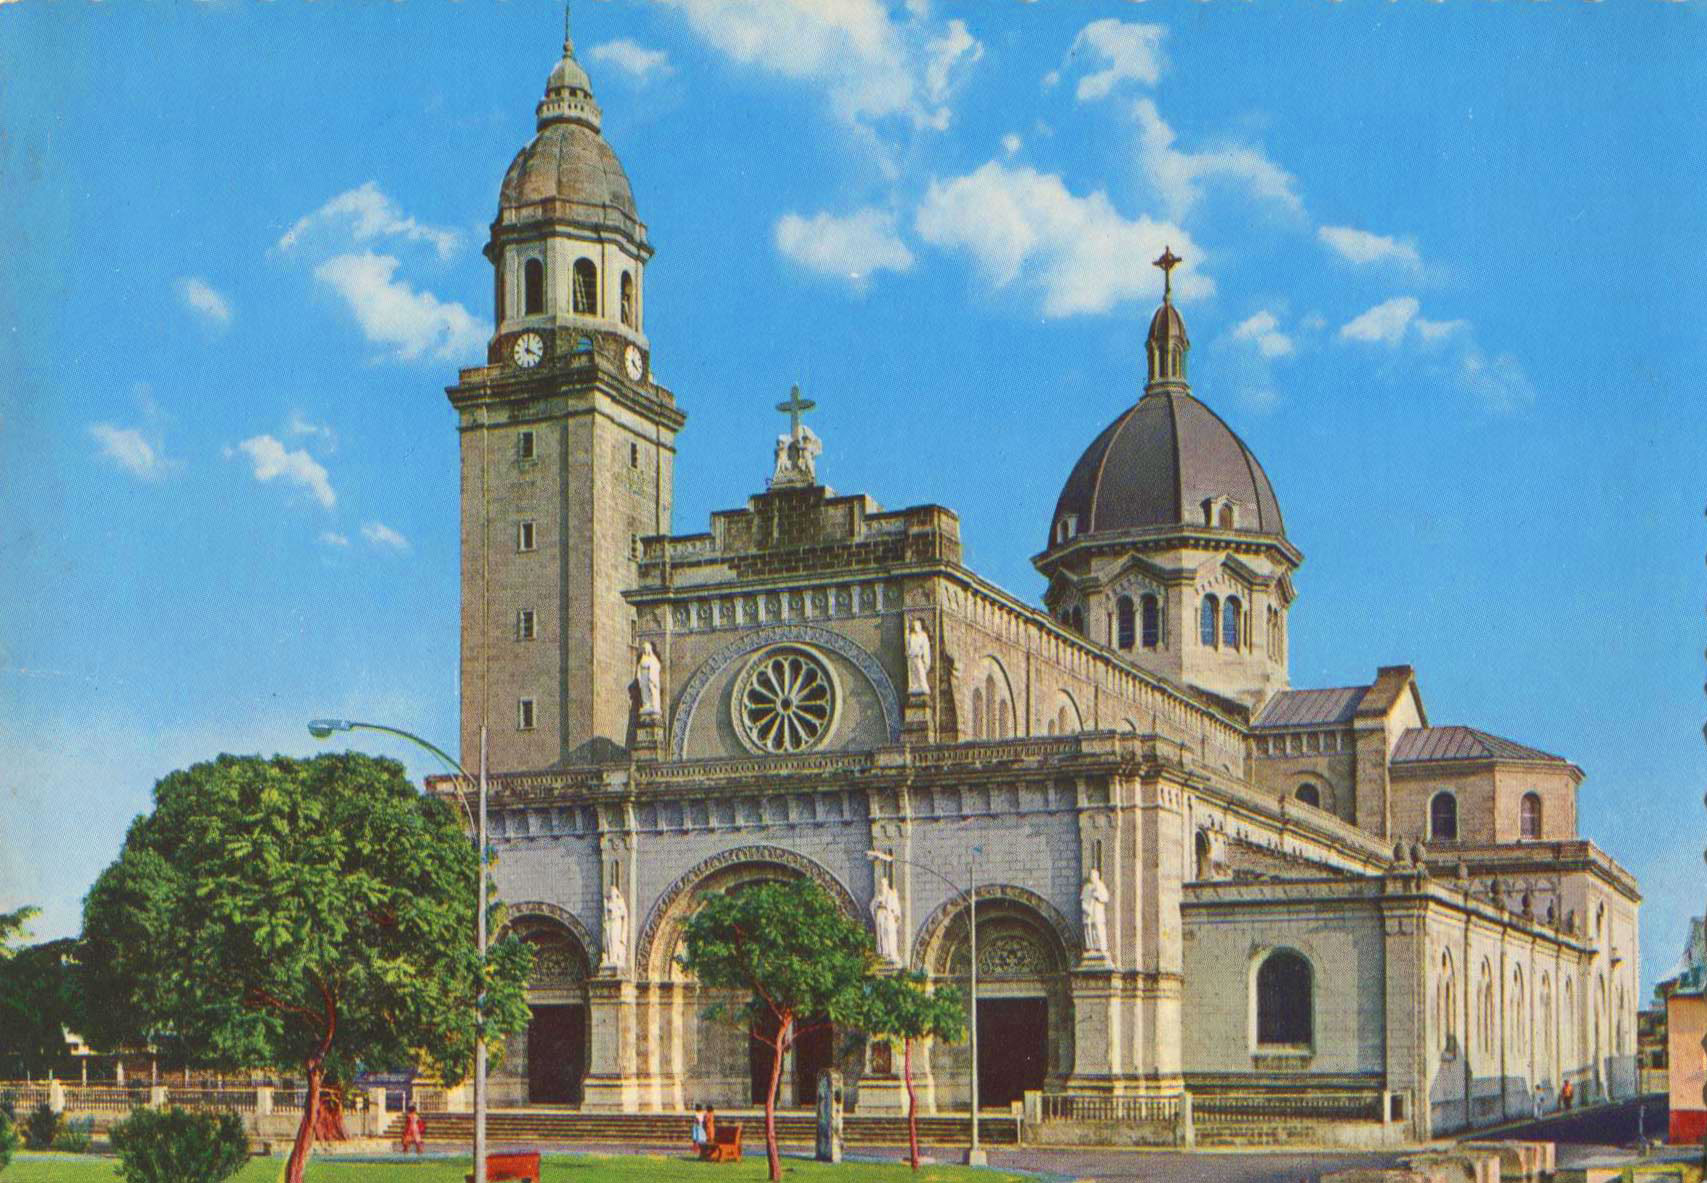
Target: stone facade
pixel 1292 911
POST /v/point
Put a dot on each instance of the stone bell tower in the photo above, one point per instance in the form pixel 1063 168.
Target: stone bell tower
pixel 568 447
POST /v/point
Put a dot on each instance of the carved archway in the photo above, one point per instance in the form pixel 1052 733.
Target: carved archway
pixel 514 913
pixel 723 870
pixel 1008 898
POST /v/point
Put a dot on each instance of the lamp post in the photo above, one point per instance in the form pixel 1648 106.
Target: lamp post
pixel 975 1155
pixel 323 729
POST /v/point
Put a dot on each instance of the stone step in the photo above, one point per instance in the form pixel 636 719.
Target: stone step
pixel 666 1128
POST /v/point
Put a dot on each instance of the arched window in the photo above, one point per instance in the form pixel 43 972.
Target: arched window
pixel 1224 518
pixel 1448 1019
pixel 1310 795
pixel 1529 816
pixel 988 731
pixel 1230 623
pixel 628 299
pixel 1519 1012
pixel 1443 818
pixel 1151 612
pixel 1210 618
pixel 1004 723
pixel 1485 1009
pixel 1076 618
pixel 1284 1006
pixel 533 287
pixel 1063 727
pixel 586 288
pixel 977 714
pixel 1126 622
pixel 1202 851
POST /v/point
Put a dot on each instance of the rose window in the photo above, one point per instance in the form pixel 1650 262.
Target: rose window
pixel 786 702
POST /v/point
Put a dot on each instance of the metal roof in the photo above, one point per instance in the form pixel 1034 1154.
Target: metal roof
pixel 1463 743
pixel 1311 708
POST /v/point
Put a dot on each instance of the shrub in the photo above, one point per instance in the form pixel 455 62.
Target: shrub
pixel 177 1146
pixel 40 1127
pixel 8 1138
pixel 75 1135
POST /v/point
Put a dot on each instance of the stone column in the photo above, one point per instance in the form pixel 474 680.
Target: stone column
pixel 1403 915
pixel 1160 956
pixel 1097 1041
pixel 610 1086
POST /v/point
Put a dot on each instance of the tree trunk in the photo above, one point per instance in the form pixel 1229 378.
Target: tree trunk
pixel 304 1143
pixel 912 1104
pixel 772 1156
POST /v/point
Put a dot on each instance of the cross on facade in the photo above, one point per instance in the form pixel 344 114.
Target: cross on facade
pixel 1167 263
pixel 794 408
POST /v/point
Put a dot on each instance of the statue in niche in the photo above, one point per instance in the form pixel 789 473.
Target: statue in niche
pixel 1093 911
pixel 886 916
pixel 918 658
pixel 646 676
pixel 616 927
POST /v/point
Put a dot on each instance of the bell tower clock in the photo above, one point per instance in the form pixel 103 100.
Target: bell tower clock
pixel 568 446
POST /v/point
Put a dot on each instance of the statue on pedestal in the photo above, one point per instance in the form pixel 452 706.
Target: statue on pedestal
pixel 616 927
pixel 918 658
pixel 646 676
pixel 1093 911
pixel 886 916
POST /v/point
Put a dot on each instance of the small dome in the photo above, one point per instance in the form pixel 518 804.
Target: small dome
pixel 571 162
pixel 1157 464
pixel 1167 324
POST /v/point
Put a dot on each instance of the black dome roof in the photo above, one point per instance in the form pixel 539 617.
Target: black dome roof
pixel 1155 466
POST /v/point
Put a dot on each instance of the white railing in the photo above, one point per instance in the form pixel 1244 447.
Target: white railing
pixel 26 1095
pixel 93 1098
pixel 236 1100
pixel 1261 1108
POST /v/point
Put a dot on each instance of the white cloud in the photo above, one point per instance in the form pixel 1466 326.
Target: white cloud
pixel 408 322
pixel 202 298
pixel 270 460
pixel 852 247
pixel 943 54
pixel 365 214
pixel 1263 331
pixel 131 450
pixel 1124 52
pixel 333 538
pixel 1080 251
pixel 1363 247
pixel 322 433
pixel 1384 324
pixel 1178 176
pixel 1011 144
pixel 870 66
pixel 1498 382
pixel 380 534
pixel 633 59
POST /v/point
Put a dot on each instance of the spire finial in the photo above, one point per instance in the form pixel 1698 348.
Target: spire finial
pixel 568 41
pixel 1167 263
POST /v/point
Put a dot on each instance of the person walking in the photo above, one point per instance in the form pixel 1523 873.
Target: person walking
pixel 414 1131
pixel 1568 1094
pixel 698 1134
pixel 1540 1100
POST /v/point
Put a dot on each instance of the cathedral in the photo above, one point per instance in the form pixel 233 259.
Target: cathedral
pixel 1188 877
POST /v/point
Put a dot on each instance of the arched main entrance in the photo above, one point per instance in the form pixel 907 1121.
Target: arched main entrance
pixel 734 1067
pixel 550 1063
pixel 1025 1009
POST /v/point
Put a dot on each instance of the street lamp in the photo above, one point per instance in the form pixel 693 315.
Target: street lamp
pixel 323 729
pixel 975 1156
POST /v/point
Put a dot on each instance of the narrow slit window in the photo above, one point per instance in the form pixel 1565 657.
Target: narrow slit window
pixel 1152 622
pixel 526 628
pixel 525 445
pixel 524 714
pixel 525 539
pixel 1126 622
pixel 533 287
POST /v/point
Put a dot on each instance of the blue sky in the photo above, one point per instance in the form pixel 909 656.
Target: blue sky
pixel 1444 267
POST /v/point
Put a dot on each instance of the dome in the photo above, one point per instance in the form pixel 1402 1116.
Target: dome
pixel 1157 464
pixel 570 162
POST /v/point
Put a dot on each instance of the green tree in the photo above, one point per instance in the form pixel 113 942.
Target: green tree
pixel 14 925
pixel 901 1006
pixel 296 915
pixel 797 955
pixel 38 1004
pixel 8 1139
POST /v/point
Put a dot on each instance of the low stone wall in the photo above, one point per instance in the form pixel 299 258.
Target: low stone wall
pixel 1101 1133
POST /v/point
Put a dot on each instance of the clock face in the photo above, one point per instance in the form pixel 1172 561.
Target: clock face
pixel 635 363
pixel 528 350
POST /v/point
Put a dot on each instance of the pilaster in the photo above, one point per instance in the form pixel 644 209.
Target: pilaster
pixel 611 1085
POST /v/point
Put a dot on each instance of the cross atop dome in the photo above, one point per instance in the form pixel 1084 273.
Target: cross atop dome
pixel 796 452
pixel 1167 263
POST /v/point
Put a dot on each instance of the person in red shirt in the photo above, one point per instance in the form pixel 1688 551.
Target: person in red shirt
pixel 414 1131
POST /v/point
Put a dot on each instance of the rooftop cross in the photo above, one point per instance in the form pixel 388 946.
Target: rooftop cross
pixel 1167 263
pixel 794 408
pixel 568 41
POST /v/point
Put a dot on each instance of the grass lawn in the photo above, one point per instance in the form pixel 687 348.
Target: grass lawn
pixel 559 1168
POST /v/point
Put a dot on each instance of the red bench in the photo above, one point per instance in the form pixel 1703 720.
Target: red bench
pixel 725 1144
pixel 502 1167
